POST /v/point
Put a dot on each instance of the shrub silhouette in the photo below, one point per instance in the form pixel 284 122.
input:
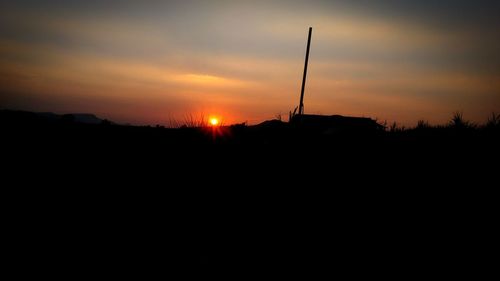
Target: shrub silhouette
pixel 458 122
pixel 493 121
pixel 422 124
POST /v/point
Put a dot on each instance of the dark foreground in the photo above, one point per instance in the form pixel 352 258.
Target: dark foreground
pixel 102 200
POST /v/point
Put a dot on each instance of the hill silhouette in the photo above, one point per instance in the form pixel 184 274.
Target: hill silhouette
pixel 275 196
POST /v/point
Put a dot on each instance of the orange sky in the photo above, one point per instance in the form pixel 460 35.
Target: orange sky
pixel 154 61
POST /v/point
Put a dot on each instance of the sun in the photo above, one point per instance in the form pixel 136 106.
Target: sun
pixel 213 121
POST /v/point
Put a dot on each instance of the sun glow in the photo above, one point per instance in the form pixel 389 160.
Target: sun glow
pixel 213 121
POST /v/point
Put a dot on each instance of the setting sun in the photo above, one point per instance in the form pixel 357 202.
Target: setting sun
pixel 214 121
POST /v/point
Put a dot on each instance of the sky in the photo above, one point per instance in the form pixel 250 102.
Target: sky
pixel 152 61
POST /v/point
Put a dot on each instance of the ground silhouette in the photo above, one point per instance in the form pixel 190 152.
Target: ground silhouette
pixel 241 200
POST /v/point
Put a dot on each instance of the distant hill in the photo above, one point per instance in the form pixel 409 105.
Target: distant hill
pixel 83 118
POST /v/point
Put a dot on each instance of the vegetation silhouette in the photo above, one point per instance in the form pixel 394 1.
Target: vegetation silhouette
pixel 351 194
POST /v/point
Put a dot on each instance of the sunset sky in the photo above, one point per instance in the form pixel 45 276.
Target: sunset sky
pixel 147 62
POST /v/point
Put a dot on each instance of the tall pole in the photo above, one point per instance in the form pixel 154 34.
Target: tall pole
pixel 301 104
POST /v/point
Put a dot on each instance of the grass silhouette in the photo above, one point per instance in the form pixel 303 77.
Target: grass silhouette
pixel 248 198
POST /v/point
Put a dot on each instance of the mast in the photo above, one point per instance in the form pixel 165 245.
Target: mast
pixel 301 104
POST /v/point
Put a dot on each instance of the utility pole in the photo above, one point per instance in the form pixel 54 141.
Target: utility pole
pixel 301 104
